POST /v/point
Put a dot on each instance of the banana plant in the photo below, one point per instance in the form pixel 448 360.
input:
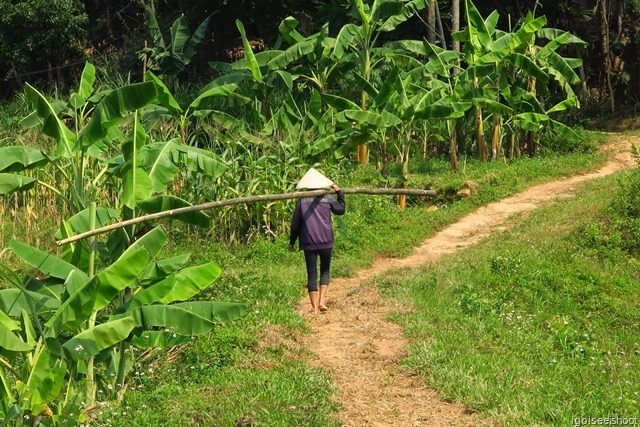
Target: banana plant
pixel 517 68
pixel 78 307
pixel 172 57
pixel 361 40
pixel 53 326
pixel 103 123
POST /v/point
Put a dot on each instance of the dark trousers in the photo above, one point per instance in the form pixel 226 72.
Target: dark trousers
pixel 311 260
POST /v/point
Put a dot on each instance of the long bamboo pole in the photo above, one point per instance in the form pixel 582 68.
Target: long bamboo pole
pixel 241 200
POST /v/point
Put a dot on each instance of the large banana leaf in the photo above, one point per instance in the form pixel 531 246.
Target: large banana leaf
pixel 112 108
pixel 76 309
pixel 82 300
pixel 43 261
pixel 559 38
pixel 51 125
pixel 329 142
pixel 293 53
pixel 395 17
pixel 186 318
pixel 287 29
pixel 19 158
pixel 524 63
pixel 92 341
pixel 136 183
pixel 128 267
pixel 163 203
pixel 251 63
pixel 9 341
pixel 157 159
pixel 158 270
pixel 179 286
pixel 44 383
pixel 165 97
pixel 8 322
pixel 79 223
pixel 382 120
pixel 13 302
pixel 10 182
pixel 531 121
pixel 349 35
pixel 479 37
pixel 196 38
pixel 564 130
pixel 199 160
pixel 85 88
pixel 221 91
pixel 563 105
pixel 525 35
pixel 562 69
pixel 216 311
pixel 339 103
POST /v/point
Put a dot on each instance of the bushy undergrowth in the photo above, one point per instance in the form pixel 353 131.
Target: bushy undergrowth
pixel 531 327
pixel 618 229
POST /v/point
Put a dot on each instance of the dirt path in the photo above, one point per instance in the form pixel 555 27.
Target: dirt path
pixel 356 343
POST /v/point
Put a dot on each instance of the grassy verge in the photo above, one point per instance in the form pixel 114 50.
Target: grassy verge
pixel 532 327
pixel 252 372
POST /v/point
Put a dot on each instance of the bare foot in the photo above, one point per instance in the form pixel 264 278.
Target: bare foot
pixel 323 308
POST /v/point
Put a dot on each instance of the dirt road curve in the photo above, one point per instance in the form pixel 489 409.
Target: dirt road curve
pixel 356 343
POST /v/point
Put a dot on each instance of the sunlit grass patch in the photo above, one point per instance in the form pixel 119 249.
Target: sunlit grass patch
pixel 528 327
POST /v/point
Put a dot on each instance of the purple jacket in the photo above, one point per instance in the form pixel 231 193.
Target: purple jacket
pixel 311 221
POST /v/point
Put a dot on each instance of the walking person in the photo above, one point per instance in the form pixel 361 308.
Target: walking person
pixel 311 225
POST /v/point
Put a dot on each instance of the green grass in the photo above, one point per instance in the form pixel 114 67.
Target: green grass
pixel 530 327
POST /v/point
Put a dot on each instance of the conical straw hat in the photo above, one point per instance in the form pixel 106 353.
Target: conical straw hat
pixel 313 180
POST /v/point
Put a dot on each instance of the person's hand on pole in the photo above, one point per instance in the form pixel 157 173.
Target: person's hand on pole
pixel 335 187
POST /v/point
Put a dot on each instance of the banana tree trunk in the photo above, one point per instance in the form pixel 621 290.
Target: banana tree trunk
pixel 482 141
pixel 453 148
pixel 402 198
pixel 531 136
pixel 495 136
pixel 512 146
